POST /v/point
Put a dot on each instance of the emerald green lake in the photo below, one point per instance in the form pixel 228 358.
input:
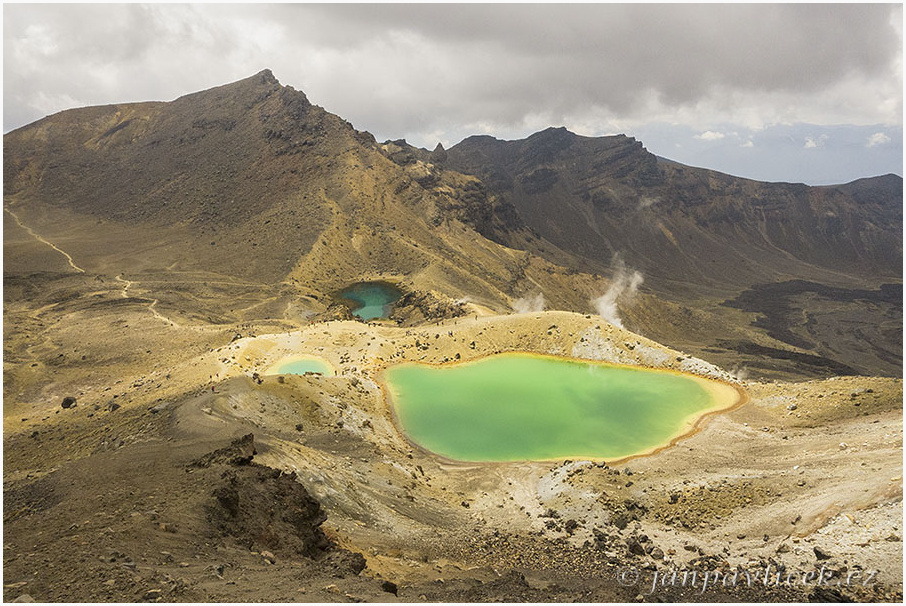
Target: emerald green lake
pixel 370 300
pixel 300 365
pixel 517 407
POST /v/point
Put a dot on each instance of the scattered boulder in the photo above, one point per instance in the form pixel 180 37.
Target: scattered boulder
pixel 602 541
pixel 344 562
pixel 151 595
pixel 389 587
pixel 821 554
pixel 68 402
pixel 635 547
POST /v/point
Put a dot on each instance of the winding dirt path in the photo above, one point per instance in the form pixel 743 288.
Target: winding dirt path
pixel 152 302
pixel 45 241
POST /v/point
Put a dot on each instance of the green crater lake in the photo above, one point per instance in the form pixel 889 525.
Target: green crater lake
pixel 299 365
pixel 370 300
pixel 518 407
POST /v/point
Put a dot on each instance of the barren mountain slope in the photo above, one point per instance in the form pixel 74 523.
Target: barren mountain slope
pixel 702 238
pixel 595 197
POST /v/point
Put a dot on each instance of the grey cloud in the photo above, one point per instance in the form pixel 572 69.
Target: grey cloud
pixel 432 72
pixel 679 50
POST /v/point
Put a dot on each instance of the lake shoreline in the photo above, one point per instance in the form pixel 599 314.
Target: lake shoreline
pixel 726 396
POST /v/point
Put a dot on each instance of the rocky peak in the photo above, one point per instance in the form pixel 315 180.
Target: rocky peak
pixel 267 77
pixel 439 155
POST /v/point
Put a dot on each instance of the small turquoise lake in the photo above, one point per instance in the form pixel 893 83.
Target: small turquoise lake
pixel 299 365
pixel 370 300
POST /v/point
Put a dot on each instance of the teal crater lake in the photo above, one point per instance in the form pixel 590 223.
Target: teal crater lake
pixel 520 407
pixel 370 300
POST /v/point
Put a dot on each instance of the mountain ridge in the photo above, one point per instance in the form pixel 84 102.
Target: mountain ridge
pixel 617 181
pixel 252 180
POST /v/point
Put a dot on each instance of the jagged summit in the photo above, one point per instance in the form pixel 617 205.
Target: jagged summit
pixel 553 132
pixel 243 93
pixel 267 75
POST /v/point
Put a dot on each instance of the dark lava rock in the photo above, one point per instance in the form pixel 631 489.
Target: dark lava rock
pixel 826 595
pixel 620 520
pixel 345 562
pixel 635 547
pixel 68 402
pixel 239 452
pixel 266 509
pixel 389 587
pixel 821 554
pixel 601 539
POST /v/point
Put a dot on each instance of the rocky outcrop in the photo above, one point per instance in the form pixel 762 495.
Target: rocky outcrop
pixel 267 509
pixel 240 452
pixel 270 511
pixel 335 311
pixel 418 306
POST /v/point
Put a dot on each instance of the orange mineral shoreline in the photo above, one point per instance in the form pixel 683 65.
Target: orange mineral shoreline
pixel 718 389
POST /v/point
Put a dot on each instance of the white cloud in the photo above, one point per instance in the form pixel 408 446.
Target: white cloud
pixel 710 135
pixel 815 142
pixel 877 139
pixel 748 143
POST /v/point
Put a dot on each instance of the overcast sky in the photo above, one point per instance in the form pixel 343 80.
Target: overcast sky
pixel 806 92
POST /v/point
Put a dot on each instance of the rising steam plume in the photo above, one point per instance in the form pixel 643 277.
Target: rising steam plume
pixel 623 285
pixel 529 304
